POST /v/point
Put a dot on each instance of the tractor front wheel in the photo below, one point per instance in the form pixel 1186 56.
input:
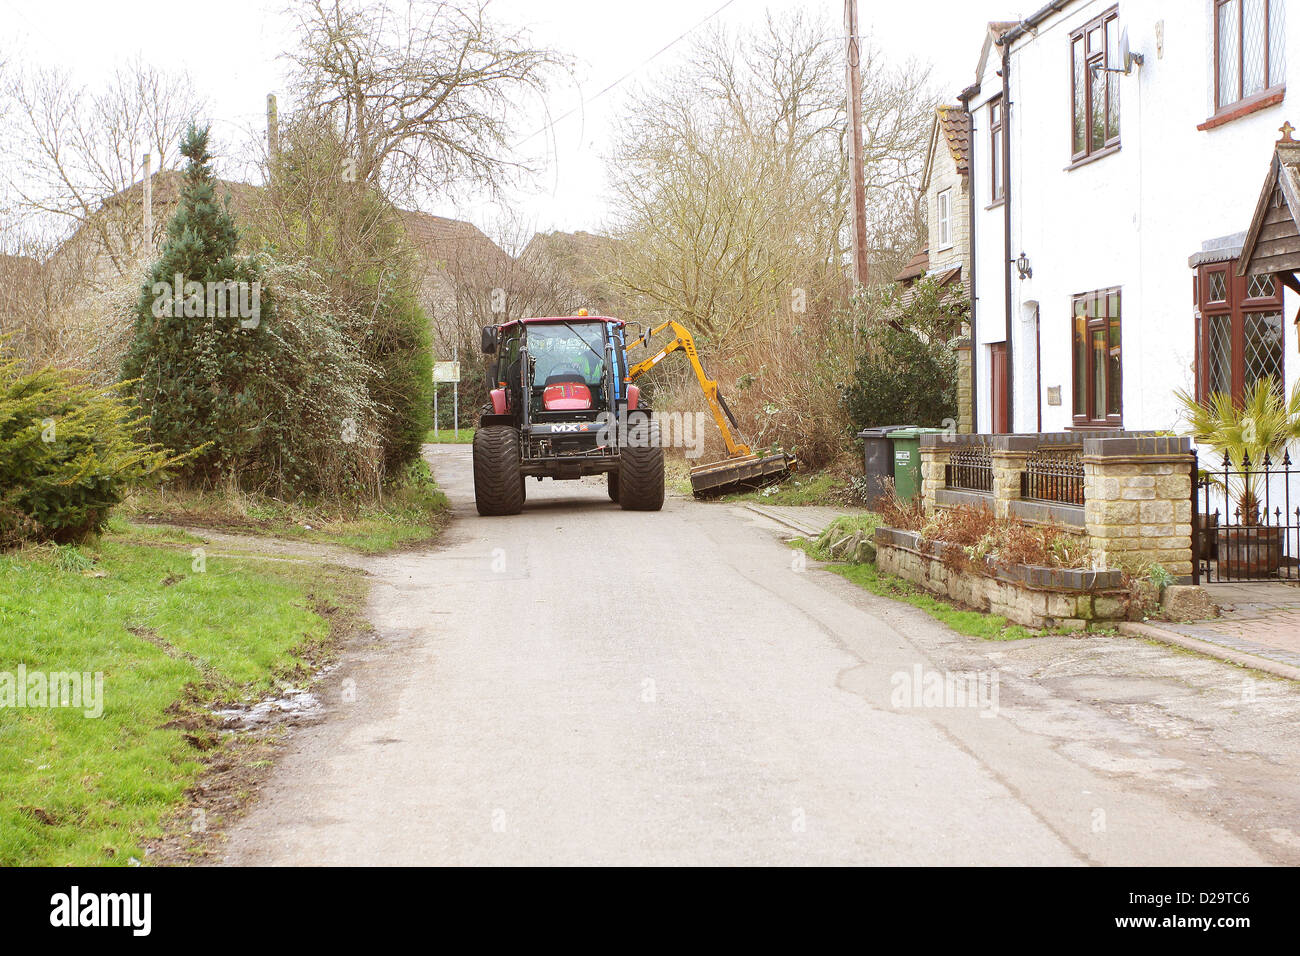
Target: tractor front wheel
pixel 641 473
pixel 498 483
pixel 613 485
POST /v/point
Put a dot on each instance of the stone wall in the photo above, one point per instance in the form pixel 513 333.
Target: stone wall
pixel 1137 491
pixel 1138 500
pixel 965 408
pixel 1034 597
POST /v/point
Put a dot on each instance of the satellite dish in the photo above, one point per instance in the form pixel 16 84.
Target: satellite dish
pixel 1126 55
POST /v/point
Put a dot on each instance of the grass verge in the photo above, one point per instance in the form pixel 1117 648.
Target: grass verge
pixel 989 627
pixel 448 436
pixel 170 642
pixel 821 488
pixel 412 512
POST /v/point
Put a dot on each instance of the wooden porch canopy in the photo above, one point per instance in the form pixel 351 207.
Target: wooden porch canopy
pixel 1272 243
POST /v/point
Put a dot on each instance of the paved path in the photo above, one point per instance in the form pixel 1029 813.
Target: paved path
pixel 580 684
pixel 1261 620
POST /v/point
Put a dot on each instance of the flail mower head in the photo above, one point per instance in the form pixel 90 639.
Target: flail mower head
pixel 740 474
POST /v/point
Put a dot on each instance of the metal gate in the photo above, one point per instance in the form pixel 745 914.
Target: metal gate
pixel 1245 521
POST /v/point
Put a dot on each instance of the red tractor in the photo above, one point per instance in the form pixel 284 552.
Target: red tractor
pixel 562 407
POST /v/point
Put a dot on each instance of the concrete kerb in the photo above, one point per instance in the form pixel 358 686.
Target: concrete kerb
pixel 1210 649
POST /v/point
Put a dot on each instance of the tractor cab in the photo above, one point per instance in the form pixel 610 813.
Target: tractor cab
pixel 546 369
pixel 568 366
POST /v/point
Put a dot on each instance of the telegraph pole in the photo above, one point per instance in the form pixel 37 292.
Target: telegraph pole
pixel 858 193
pixel 147 202
pixel 272 129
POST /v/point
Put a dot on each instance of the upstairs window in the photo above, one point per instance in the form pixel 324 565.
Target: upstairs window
pixel 1094 92
pixel 1239 333
pixel 995 147
pixel 944 226
pixel 1249 50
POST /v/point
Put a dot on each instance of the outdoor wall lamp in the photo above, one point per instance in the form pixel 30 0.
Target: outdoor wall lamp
pixel 1022 266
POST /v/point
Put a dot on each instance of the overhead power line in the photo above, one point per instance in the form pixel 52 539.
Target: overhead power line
pixel 626 76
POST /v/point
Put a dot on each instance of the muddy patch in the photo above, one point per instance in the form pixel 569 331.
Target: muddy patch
pixel 240 741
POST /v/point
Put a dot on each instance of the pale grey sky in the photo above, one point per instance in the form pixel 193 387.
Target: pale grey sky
pixel 233 59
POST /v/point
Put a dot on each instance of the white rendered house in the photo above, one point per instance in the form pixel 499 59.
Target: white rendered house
pixel 1129 184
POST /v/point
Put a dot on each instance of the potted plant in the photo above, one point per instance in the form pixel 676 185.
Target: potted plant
pixel 1205 525
pixel 1250 433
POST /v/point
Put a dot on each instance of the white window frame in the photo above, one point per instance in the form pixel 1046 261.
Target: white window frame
pixel 943 218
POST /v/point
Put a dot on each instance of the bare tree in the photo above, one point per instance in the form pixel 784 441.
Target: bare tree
pixel 728 179
pixel 71 149
pixel 420 92
pixel 730 176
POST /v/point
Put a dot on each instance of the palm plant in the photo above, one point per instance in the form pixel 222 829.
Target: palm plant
pixel 1250 432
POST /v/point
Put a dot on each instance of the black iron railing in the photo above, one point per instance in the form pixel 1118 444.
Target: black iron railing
pixel 970 469
pixel 1055 476
pixel 1245 522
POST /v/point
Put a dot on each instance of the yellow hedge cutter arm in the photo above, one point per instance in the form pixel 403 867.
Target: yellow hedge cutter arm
pixel 742 469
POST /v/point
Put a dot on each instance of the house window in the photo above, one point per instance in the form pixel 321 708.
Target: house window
pixel 1249 50
pixel 945 219
pixel 1240 334
pixel 995 147
pixel 1098 378
pixel 1094 93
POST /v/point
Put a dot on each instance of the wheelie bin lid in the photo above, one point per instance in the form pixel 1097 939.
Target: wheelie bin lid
pixel 913 431
pixel 880 431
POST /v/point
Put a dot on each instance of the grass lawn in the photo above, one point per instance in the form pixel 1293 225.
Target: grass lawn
pixel 412 512
pixel 448 436
pixel 169 641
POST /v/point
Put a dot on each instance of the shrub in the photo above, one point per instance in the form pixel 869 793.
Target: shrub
pixel 982 535
pixel 323 428
pixel 68 452
pixel 907 374
pixel 903 380
pixel 284 400
pixel 356 242
pixel 195 373
pixel 397 345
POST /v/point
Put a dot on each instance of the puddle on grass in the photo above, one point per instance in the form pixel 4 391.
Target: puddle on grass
pixel 290 706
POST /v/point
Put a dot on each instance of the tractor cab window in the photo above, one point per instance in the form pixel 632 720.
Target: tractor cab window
pixel 509 357
pixel 573 352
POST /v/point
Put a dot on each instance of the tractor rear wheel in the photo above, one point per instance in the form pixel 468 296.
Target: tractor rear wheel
pixel 613 485
pixel 498 483
pixel 641 474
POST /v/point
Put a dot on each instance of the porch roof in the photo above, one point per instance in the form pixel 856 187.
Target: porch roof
pixel 1272 243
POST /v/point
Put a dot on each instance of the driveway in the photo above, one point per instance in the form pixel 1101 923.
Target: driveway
pixel 580 684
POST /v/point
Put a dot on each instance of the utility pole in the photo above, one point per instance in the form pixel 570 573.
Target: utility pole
pixel 272 129
pixel 858 193
pixel 147 164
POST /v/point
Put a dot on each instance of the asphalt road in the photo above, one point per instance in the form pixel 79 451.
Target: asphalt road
pixel 581 684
